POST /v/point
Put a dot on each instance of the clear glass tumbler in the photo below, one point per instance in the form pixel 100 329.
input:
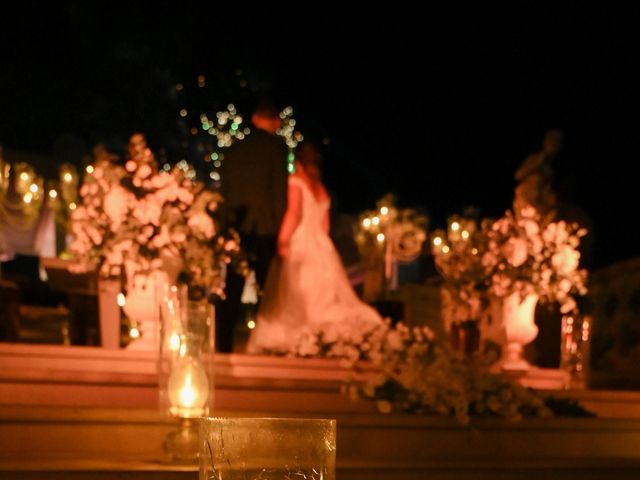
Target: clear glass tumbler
pixel 267 449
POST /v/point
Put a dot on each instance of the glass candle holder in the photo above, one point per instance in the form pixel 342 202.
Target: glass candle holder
pixel 574 349
pixel 267 448
pixel 185 368
pixel 186 351
pixel 465 337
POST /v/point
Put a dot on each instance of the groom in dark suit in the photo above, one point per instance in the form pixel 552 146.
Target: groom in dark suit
pixel 254 188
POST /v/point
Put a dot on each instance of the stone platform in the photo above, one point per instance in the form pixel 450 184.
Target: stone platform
pixel 89 413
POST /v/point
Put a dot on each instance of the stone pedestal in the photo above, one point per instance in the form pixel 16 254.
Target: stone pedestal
pixel 109 313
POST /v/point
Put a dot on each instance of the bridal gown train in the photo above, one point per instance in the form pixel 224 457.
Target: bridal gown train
pixel 309 288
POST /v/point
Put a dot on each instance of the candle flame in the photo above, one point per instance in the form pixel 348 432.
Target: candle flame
pixel 187 393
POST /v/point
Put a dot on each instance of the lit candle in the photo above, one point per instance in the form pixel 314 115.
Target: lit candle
pixel 188 389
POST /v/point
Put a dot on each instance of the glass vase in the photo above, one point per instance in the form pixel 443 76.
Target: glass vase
pixel 267 448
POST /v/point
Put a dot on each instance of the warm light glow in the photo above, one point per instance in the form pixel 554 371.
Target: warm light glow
pixel 380 237
pixel 188 389
pixel 33 187
pixel 24 176
pixel 67 177
pixel 174 342
pixel 455 226
pixel 27 197
pixel 474 251
pixel 445 249
pixel 375 220
pixel 437 241
pixel 183 112
pixel 72 206
pixel 464 234
pixel 121 299
pixel 134 332
pixel 366 223
pixel 384 210
pixel 251 324
pixel 53 193
pixel 89 169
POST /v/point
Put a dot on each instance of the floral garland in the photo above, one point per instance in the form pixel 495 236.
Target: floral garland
pixel 407 370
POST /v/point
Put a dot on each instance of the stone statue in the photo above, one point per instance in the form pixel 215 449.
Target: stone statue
pixel 535 176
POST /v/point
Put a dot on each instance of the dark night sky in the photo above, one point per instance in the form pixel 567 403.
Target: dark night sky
pixel 439 107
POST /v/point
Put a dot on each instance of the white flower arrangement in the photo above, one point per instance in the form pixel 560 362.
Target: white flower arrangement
pixel 136 220
pixel 511 254
pixel 521 255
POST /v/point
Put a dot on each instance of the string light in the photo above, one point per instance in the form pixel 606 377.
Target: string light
pixel 287 129
pixel 89 169
pixel 227 127
pixel 291 166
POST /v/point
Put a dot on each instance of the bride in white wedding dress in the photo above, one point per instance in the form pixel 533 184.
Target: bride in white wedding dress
pixel 307 285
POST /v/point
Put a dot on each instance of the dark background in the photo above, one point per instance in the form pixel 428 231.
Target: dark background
pixel 439 106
